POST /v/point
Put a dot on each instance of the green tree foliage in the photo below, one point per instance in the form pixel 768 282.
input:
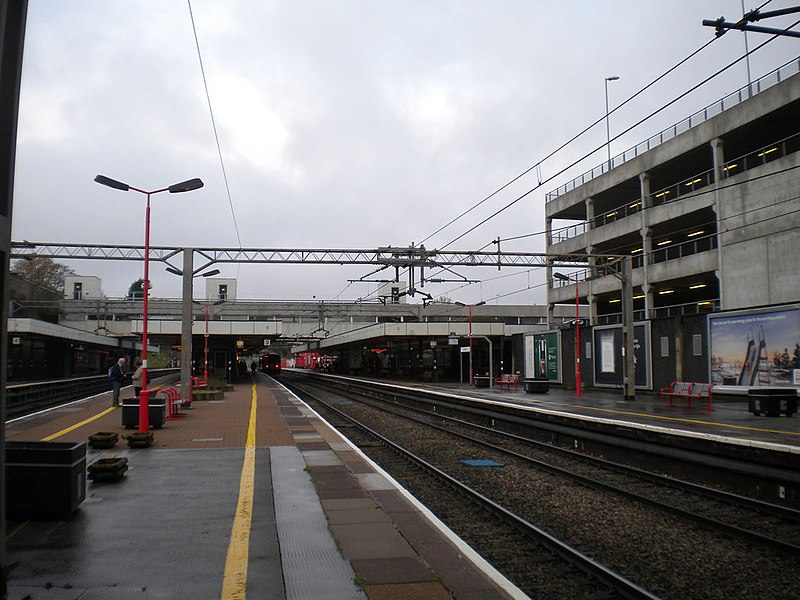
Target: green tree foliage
pixel 43 271
pixel 135 291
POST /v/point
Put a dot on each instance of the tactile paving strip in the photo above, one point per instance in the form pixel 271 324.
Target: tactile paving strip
pixel 304 536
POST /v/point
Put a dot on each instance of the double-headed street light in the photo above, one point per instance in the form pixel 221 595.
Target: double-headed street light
pixel 185 186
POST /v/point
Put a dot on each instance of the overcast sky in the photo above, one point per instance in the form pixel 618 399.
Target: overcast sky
pixel 342 124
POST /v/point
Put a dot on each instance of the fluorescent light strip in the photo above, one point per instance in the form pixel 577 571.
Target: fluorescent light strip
pixel 694 233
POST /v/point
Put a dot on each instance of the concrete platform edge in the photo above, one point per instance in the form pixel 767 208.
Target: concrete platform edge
pixel 468 553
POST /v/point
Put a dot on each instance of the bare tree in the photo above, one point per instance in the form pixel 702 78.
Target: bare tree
pixel 44 271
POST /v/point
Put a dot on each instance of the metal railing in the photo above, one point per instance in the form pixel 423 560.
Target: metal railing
pixel 712 110
pixel 676 190
pixel 762 156
pixel 688 248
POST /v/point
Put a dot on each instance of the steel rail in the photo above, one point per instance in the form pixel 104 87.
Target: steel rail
pixel 587 565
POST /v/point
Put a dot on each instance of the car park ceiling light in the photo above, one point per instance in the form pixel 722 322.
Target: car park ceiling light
pixel 695 233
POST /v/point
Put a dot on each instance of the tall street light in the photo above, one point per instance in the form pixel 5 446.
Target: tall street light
pixel 563 277
pixel 608 128
pixel 205 350
pixel 184 186
pixel 481 303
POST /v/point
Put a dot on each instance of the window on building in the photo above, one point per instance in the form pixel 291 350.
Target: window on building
pixel 664 347
pixel 77 290
pixel 395 295
pixel 223 291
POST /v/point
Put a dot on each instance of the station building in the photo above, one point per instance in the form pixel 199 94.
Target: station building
pixel 709 211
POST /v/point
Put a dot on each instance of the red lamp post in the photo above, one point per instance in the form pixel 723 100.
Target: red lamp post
pixel 185 186
pixel 562 277
pixel 205 350
pixel 482 302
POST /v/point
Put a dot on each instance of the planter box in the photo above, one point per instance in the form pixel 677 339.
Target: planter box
pixel 156 413
pixel 44 479
pixel 108 469
pixel 536 385
pixel 103 439
pixel 198 395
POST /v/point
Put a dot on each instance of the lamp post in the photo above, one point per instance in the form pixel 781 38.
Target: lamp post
pixel 608 128
pixel 205 350
pixel 563 277
pixel 482 302
pixel 184 186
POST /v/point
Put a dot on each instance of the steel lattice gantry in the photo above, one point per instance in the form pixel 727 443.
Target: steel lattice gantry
pixel 408 257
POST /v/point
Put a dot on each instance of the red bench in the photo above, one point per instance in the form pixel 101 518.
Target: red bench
pixel 688 390
pixel 174 401
pixel 507 380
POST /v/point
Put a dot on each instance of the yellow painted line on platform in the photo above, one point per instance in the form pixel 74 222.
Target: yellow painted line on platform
pixel 58 434
pixel 234 583
pixel 693 421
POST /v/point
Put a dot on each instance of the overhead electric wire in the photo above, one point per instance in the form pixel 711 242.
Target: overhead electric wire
pixel 572 139
pixel 579 160
pixel 214 125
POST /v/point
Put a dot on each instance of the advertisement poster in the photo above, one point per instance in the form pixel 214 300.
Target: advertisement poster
pixel 542 356
pixel 608 357
pixel 757 348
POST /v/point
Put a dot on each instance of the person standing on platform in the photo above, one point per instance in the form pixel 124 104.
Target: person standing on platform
pixel 136 379
pixel 116 374
pixel 253 367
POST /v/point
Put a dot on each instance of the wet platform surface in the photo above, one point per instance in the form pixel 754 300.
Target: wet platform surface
pixel 729 419
pixel 252 496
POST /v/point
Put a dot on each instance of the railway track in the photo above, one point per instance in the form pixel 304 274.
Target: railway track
pixel 672 538
pixel 537 562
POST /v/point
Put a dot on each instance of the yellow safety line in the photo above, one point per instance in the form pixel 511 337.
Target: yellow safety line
pixel 694 421
pixel 234 583
pixel 58 434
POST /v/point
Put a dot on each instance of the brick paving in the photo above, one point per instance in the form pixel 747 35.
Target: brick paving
pixel 207 424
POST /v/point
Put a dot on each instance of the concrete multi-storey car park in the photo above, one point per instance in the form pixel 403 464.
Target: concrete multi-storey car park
pixel 709 213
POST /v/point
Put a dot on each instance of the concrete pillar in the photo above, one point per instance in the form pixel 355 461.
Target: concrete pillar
pixel 186 322
pixel 718 151
pixel 647 241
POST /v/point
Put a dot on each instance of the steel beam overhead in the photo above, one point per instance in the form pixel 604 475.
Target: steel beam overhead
pixel 389 256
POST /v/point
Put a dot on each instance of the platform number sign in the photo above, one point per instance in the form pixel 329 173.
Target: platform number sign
pixel 267 341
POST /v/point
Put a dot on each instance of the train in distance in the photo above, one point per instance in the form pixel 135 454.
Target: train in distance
pixel 270 364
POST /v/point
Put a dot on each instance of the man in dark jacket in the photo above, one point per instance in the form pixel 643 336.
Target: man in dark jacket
pixel 116 374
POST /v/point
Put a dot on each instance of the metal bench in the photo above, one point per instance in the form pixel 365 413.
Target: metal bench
pixel 507 380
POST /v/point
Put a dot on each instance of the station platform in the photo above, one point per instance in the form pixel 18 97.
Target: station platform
pixel 727 418
pixel 250 496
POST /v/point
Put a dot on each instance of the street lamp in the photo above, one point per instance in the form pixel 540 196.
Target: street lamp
pixel 608 128
pixel 184 186
pixel 563 277
pixel 205 350
pixel 482 302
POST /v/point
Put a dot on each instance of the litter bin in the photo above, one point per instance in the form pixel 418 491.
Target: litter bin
pixel 482 382
pixel 536 385
pixel 44 479
pixel 156 413
pixel 772 401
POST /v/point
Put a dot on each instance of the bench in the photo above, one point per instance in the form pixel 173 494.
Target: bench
pixel 507 380
pixel 688 390
pixel 174 401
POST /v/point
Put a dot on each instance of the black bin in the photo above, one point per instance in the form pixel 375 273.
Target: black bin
pixel 44 479
pixel 536 385
pixel 481 381
pixel 156 413
pixel 772 401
